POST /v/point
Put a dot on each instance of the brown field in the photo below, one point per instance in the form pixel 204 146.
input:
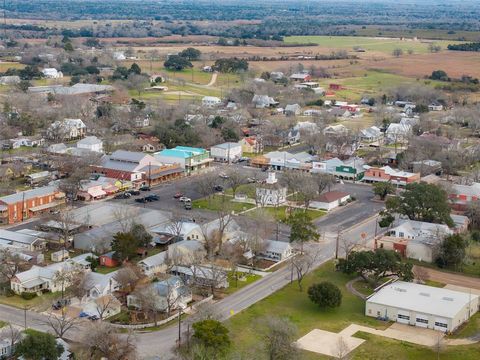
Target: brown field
pixel 455 63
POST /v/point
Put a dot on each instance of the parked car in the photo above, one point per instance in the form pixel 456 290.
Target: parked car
pixel 218 188
pixel 93 317
pixel 188 205
pixel 57 305
pixel 124 195
pixel 185 199
pixel 223 176
pixel 142 200
pixel 144 188
pixel 178 195
pixel 251 180
pixel 243 159
pixel 133 192
pixel 153 197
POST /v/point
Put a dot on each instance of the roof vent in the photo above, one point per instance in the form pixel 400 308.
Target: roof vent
pixel 425 294
pixel 400 289
pixel 447 298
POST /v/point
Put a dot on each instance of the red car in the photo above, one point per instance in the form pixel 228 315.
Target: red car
pixel 178 195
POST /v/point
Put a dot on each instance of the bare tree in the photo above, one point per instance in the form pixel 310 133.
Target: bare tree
pixel 11 334
pixel 342 349
pixel 206 183
pixel 125 216
pixel 235 178
pixel 60 324
pixel 302 264
pixel 104 304
pixel 10 264
pixel 128 277
pixel 149 301
pixel 80 284
pixel 101 339
pixel 279 336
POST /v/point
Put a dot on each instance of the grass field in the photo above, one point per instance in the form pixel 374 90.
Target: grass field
pixel 39 302
pixel 295 306
pixel 280 213
pixel 383 45
pixel 215 203
pixel 235 285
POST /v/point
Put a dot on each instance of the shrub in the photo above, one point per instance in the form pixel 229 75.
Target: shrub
pixel 28 296
pixel 325 294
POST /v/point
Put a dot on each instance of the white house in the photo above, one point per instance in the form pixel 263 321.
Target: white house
pixel 263 101
pixel 371 134
pixel 398 132
pixel 10 80
pixel 271 193
pixel 52 73
pixel 67 129
pixel 335 130
pixel 176 231
pixel 170 294
pixel 293 110
pixel 185 251
pixel 211 101
pixel 421 305
pixel 119 55
pixel 99 285
pixel 91 143
pixel 202 275
pixel 276 250
pixel 330 200
pixel 60 255
pixel 226 152
pixel 104 307
pixel 154 264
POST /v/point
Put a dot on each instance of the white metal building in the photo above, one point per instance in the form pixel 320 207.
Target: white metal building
pixel 421 305
pixel 228 151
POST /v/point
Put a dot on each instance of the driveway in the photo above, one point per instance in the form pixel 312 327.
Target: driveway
pixel 449 278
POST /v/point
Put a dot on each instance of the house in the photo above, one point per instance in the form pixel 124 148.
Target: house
pixel 330 200
pixel 387 174
pixel 26 142
pixel 335 130
pixel 6 349
pixel 211 101
pixel 45 278
pixel 427 167
pixel 280 160
pixel 190 159
pixel 91 190
pixel 398 132
pixel 119 55
pixel 59 148
pixel 277 76
pixel 170 294
pixel 6 173
pixel 60 255
pixel 421 305
pixel 200 275
pixel 91 143
pixel 186 250
pixel 312 86
pixel 340 113
pixel 435 107
pixel 103 307
pixel 301 77
pixel 10 80
pixel 207 69
pixel 142 122
pixel 75 90
pixel 38 177
pixel 154 264
pixel 415 239
pixel 108 260
pixel 22 241
pixel 293 110
pixel 312 112
pixel 29 203
pixel 349 169
pixel 371 134
pixel 251 145
pixel 176 231
pixel 137 167
pixel 99 285
pixel 263 102
pixel 226 152
pixel 271 193
pixel 52 73
pixel 67 129
pixel 276 251
pixel 461 196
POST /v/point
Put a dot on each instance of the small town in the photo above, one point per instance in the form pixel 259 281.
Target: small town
pixel 297 195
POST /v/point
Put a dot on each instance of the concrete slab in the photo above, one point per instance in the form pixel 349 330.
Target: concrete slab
pixel 328 343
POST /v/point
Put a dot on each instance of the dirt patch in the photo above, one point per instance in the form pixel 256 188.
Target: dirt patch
pixel 449 278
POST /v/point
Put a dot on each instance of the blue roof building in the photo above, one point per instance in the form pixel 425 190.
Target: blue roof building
pixel 190 158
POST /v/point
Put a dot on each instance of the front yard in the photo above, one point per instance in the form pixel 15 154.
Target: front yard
pixel 219 202
pixel 42 302
pixel 243 280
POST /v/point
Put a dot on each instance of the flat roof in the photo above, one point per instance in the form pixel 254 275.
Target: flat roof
pixel 422 298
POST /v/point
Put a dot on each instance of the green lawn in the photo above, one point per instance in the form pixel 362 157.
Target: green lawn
pixel 237 285
pixel 3 323
pixel 105 270
pixel 368 43
pixel 247 189
pixel 289 302
pixel 294 305
pixel 215 203
pixel 280 213
pixel 39 302
pixel 471 328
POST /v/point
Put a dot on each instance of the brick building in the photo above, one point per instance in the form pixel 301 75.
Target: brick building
pixel 26 204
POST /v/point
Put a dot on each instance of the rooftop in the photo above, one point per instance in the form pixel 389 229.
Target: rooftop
pixel 422 298
pixel 28 194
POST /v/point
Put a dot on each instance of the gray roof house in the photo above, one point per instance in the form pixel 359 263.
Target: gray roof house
pixel 263 101
pixel 292 110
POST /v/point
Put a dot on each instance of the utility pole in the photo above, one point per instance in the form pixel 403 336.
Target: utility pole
pixel 337 240
pixel 4 20
pixel 179 327
pixel 25 316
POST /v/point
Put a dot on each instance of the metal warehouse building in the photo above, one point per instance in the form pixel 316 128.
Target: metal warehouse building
pixel 421 305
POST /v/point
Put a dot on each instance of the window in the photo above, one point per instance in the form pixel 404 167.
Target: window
pixel 405 317
pixel 378 313
pixel 423 321
pixel 401 234
pixel 439 324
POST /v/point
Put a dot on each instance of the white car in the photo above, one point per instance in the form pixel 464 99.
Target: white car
pixel 185 199
pixel 224 176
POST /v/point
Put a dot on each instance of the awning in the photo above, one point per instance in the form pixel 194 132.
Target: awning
pixel 110 189
pixel 96 193
pixel 165 173
pixel 43 207
pixel 33 283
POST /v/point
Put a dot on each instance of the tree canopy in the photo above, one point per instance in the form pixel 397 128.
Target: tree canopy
pixel 422 202
pixel 325 294
pixel 125 245
pixel 212 335
pixel 382 189
pixel 190 54
pixel 302 229
pixel 38 346
pixel 452 251
pixel 177 63
pixel 374 265
pixel 231 65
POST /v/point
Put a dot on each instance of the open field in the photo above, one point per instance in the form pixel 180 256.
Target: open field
pixel 434 34
pixel 385 45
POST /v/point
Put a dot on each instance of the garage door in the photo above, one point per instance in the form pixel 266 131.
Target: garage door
pixel 421 320
pixel 403 317
pixel 441 324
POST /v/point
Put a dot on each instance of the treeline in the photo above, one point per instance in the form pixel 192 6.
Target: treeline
pixel 473 46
